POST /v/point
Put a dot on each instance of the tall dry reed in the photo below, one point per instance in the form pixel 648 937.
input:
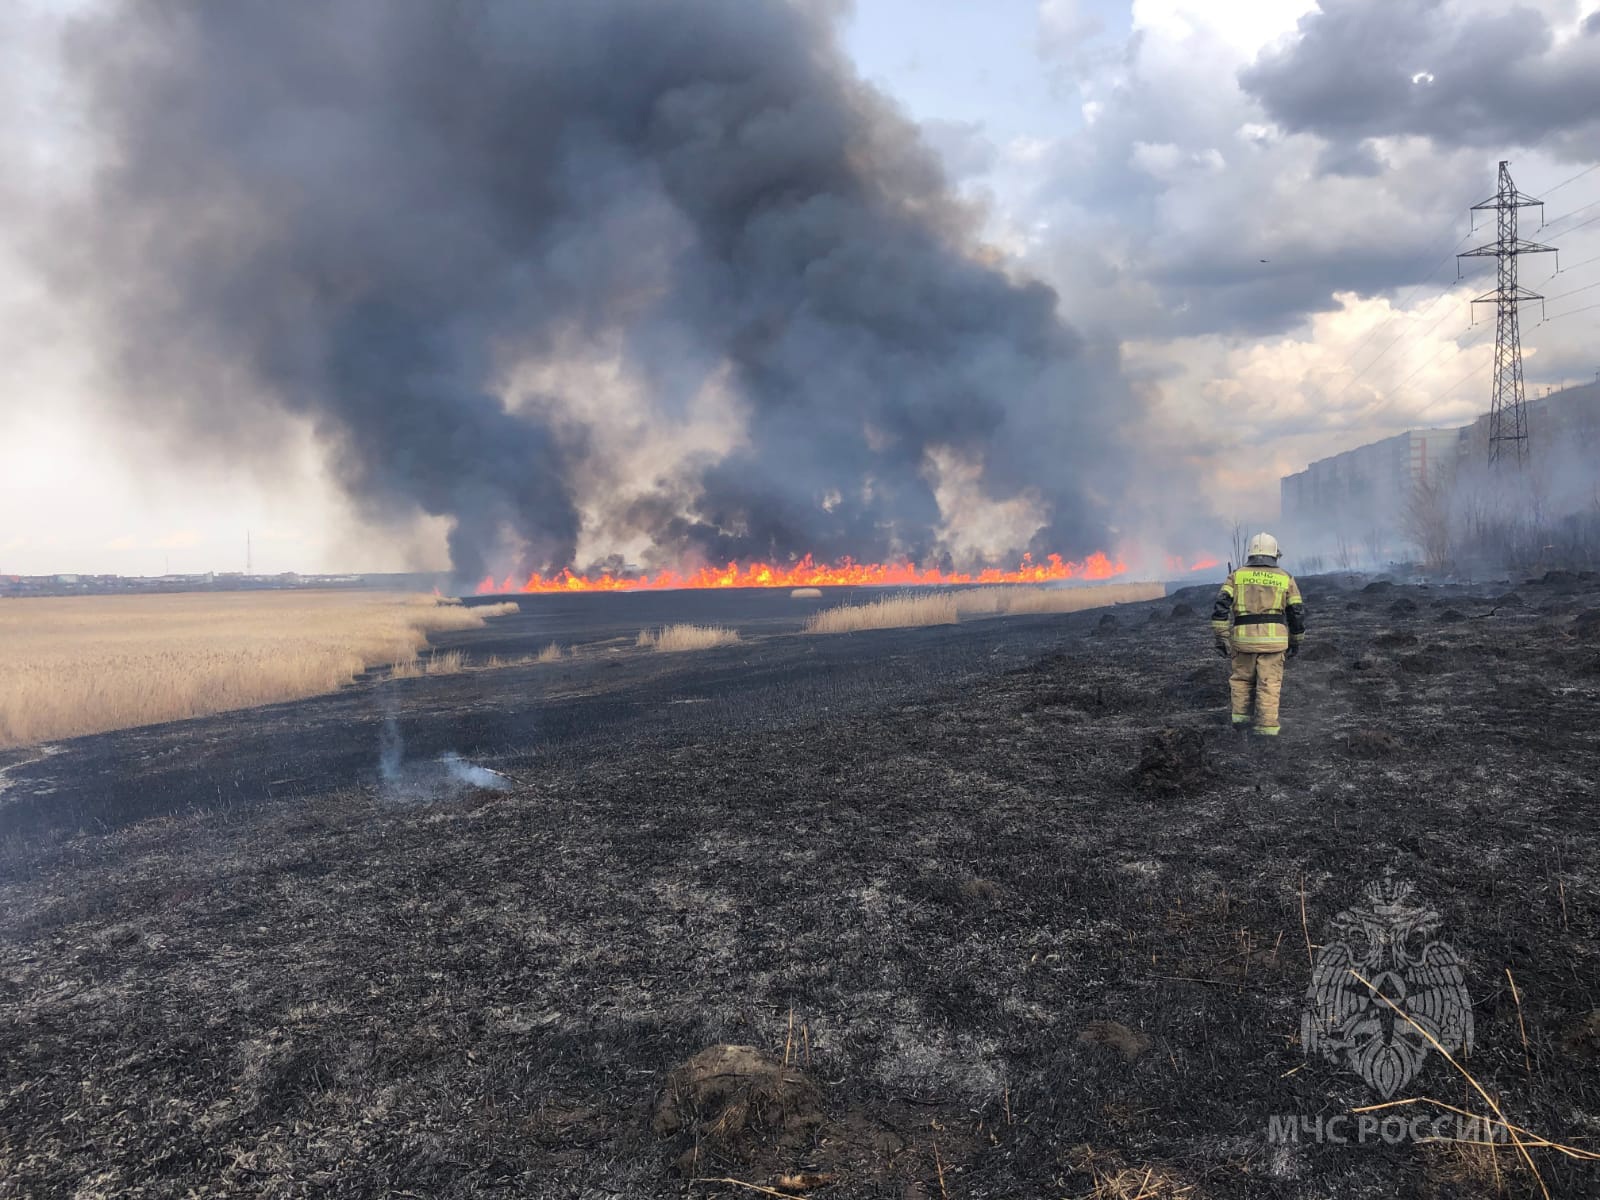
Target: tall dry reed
pixel 87 664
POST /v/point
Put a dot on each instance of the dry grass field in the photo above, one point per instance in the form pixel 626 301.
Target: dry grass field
pixel 889 612
pixel 946 608
pixel 92 663
pixel 674 638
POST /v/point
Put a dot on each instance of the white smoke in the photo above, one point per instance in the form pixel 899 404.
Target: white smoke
pixel 421 782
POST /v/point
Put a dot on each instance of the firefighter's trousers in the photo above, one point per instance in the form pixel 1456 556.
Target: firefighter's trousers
pixel 1262 673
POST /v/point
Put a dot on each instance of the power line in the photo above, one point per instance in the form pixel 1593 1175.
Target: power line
pixel 1574 292
pixel 1571 212
pixel 1399 308
pixel 1393 400
pixel 1571 178
pixel 1580 225
pixel 1575 266
pixel 1569 313
pixel 1437 354
pixel 1471 370
pixel 1393 314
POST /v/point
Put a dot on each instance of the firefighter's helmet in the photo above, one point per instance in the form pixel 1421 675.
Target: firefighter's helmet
pixel 1263 545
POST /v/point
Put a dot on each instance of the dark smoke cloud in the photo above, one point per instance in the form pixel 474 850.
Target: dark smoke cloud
pixel 356 212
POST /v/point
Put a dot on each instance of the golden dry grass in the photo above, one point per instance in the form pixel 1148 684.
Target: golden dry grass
pixel 1055 600
pixel 909 609
pixel 675 638
pixel 887 612
pixel 449 663
pixel 88 664
pixel 504 609
pixel 551 653
pixel 1141 1183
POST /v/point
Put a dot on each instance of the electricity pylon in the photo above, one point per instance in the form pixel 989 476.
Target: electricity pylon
pixel 1508 411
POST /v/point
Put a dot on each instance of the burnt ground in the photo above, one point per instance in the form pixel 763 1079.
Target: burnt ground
pixel 1024 913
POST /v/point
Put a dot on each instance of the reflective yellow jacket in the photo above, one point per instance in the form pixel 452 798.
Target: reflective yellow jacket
pixel 1259 609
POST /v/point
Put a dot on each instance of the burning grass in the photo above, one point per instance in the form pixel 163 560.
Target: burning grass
pixel 89 664
pixel 676 638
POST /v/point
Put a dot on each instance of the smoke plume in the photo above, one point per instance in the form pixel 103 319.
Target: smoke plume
pixel 365 214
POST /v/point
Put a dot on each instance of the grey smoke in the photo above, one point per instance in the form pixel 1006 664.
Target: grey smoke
pixel 421 781
pixel 1458 74
pixel 355 212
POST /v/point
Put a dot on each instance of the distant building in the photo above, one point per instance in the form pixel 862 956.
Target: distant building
pixel 1354 504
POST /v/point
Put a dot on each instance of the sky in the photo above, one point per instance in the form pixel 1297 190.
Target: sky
pixel 1260 202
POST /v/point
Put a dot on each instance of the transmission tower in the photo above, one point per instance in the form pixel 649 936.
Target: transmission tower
pixel 1508 412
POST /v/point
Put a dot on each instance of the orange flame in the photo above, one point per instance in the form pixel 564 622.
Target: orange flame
pixel 1177 564
pixel 808 573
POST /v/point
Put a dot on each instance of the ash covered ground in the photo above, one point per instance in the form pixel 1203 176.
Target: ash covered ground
pixel 1020 912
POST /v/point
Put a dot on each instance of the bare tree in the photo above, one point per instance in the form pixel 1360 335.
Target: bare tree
pixel 1372 543
pixel 1344 554
pixel 1426 521
pixel 1239 543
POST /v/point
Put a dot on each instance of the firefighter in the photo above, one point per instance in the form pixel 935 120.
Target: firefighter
pixel 1258 621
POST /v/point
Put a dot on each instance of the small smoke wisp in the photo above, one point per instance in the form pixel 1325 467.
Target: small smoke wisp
pixel 420 782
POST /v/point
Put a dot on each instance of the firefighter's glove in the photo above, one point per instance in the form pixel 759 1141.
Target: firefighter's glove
pixel 1292 650
pixel 1222 648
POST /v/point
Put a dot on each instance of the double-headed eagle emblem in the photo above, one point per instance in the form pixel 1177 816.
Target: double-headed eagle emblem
pixel 1386 951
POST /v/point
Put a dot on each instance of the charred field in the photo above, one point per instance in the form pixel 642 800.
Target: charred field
pixel 1003 909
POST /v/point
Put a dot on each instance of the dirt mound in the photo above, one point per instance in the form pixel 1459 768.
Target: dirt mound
pixel 1107 624
pixel 1182 610
pixel 1130 1043
pixel 1102 698
pixel 1430 660
pixel 980 893
pixel 1508 600
pixel 1318 652
pixel 1172 761
pixel 1393 639
pixel 1377 586
pixel 1371 743
pixel 1403 607
pixel 1587 623
pixel 1581 1037
pixel 1450 616
pixel 734 1102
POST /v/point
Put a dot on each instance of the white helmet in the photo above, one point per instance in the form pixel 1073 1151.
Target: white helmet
pixel 1263 545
